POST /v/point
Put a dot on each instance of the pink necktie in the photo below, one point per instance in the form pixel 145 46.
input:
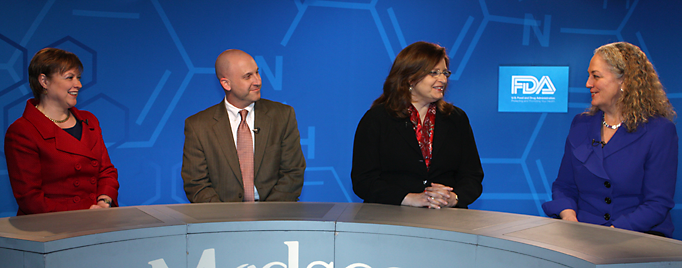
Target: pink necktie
pixel 245 152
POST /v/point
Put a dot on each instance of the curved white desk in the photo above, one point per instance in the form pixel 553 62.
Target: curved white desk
pixel 318 235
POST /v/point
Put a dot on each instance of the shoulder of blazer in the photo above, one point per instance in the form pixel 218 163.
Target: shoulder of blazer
pixel 457 116
pixel 456 111
pixel 583 120
pixel 379 113
pixel 659 123
pixel 581 126
pixel 37 120
pixel 267 106
pixel 208 113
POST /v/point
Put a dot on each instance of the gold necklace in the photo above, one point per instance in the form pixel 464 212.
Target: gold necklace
pixel 68 115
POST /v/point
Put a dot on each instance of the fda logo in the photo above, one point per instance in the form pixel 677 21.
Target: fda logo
pixel 539 89
pixel 528 84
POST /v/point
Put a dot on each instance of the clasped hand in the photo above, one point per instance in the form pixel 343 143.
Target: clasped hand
pixel 435 196
pixel 101 204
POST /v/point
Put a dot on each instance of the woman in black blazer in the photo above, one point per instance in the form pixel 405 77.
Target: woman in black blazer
pixel 412 147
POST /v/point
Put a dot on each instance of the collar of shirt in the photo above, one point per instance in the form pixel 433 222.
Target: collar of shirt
pixel 236 119
pixel 233 112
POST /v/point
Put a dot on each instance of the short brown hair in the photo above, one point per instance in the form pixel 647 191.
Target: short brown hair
pixel 49 61
pixel 411 65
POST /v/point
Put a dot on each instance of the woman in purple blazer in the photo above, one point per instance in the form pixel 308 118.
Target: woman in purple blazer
pixel 620 161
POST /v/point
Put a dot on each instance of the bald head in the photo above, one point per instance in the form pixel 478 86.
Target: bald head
pixel 228 58
pixel 238 75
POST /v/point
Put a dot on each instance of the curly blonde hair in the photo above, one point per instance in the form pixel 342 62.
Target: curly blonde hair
pixel 643 96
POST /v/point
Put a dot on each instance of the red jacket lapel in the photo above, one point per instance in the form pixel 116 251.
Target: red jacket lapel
pixel 63 141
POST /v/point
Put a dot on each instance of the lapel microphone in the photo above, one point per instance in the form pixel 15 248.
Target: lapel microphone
pixel 256 130
pixel 595 143
pixel 85 121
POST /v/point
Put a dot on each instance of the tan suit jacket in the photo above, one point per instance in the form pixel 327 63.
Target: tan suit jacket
pixel 210 165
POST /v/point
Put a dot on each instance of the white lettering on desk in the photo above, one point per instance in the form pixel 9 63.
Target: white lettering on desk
pixel 207 260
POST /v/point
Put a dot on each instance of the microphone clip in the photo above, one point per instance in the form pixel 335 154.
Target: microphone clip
pixel 595 143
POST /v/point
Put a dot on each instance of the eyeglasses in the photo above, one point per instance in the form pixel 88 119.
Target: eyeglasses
pixel 447 73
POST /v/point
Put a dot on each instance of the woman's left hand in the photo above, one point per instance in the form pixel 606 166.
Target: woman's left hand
pixel 441 195
pixel 102 204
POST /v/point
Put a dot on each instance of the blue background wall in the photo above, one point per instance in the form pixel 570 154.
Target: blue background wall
pixel 149 65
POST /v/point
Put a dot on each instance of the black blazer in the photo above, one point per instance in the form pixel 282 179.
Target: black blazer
pixel 387 162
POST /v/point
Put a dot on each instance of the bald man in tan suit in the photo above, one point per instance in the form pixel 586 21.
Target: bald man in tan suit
pixel 210 163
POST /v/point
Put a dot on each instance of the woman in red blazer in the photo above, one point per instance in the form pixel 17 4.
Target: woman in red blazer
pixel 55 154
pixel 413 148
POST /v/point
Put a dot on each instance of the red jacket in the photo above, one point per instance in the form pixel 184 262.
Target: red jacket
pixel 50 170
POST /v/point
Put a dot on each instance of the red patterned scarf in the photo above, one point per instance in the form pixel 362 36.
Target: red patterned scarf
pixel 424 131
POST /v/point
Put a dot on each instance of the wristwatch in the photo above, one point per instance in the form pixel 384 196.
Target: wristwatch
pixel 109 201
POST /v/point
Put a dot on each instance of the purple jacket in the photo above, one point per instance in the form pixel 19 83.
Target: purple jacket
pixel 629 183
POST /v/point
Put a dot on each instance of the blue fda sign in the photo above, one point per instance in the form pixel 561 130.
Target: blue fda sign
pixel 533 89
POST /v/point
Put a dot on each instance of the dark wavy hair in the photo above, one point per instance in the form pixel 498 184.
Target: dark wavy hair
pixel 411 65
pixel 49 61
pixel 643 96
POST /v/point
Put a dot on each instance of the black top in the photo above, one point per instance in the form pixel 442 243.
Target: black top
pixel 76 131
pixel 387 162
